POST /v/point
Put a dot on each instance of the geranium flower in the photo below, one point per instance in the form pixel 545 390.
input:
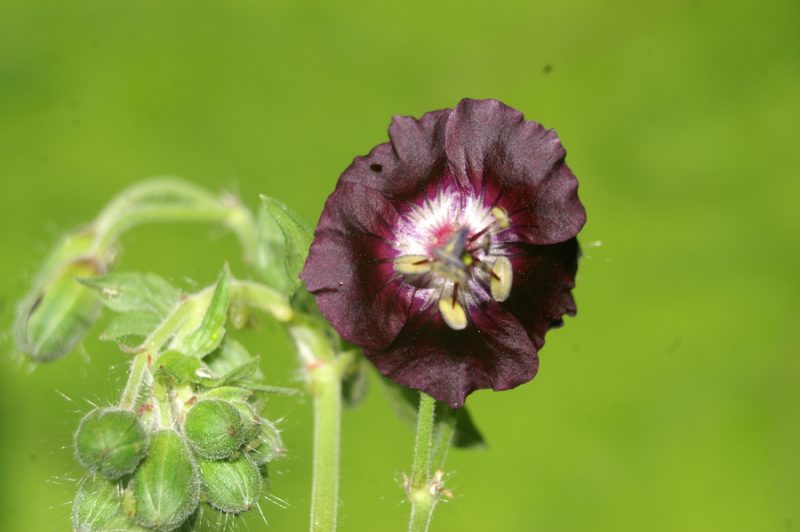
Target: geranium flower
pixel 448 252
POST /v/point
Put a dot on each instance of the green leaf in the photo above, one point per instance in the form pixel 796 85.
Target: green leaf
pixel 131 328
pixel 209 334
pixel 129 292
pixel 273 390
pixel 177 368
pixel 230 393
pixel 355 382
pixel 269 260
pixel 297 238
pixel 230 363
pixel 404 402
pixel 466 435
pixel 240 374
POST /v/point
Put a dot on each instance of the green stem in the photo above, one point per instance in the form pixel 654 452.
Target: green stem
pixel 327 389
pixel 163 404
pixel 131 392
pixel 324 372
pixel 172 200
pixel 261 297
pixel 422 492
pixel 421 468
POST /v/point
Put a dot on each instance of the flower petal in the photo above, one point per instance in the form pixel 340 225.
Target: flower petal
pixel 519 164
pixel 543 279
pixel 494 351
pixel 350 269
pixel 414 159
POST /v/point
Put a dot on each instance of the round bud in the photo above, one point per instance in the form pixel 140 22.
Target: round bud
pixel 231 486
pixel 165 489
pixel 215 429
pixel 269 446
pixel 111 442
pixel 96 504
pixel 251 427
pixel 97 507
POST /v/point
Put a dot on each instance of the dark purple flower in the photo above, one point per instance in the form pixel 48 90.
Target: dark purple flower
pixel 447 253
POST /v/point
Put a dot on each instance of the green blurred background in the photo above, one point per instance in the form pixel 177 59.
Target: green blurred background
pixel 671 402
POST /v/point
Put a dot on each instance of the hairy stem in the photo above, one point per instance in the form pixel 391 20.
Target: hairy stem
pixel 327 424
pixel 163 404
pixel 324 371
pixel 135 378
pixel 421 488
pixel 172 200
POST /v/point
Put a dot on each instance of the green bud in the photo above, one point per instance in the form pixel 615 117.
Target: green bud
pixel 111 442
pixel 98 508
pixel 231 486
pixel 55 314
pixel 269 446
pixel 250 421
pixel 165 489
pixel 215 429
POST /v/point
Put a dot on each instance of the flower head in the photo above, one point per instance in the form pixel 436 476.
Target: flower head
pixel 448 252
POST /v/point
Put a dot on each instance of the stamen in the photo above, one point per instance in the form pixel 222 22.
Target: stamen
pixel 412 264
pixel 501 216
pixel 453 313
pixel 502 277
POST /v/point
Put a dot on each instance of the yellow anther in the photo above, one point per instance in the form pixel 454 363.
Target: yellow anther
pixel 501 216
pixel 412 264
pixel 453 313
pixel 502 277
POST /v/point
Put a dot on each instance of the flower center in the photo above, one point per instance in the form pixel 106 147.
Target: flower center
pixel 452 250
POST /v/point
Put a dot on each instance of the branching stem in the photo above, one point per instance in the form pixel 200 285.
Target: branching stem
pixel 137 372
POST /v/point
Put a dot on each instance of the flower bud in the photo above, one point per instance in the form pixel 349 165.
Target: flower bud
pixel 231 486
pixel 111 442
pixel 215 429
pixel 269 446
pixel 251 423
pixel 97 504
pixel 55 314
pixel 165 489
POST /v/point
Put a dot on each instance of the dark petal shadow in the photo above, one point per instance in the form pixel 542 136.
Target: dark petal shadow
pixel 494 351
pixel 541 294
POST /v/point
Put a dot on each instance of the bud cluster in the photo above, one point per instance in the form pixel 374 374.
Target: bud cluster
pixel 188 434
pixel 145 476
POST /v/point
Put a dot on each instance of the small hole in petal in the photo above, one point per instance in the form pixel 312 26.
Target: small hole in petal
pixel 375 167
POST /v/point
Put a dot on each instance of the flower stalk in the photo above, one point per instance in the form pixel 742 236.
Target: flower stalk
pixel 172 200
pixel 327 425
pixel 324 369
pixel 422 488
pixel 135 378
